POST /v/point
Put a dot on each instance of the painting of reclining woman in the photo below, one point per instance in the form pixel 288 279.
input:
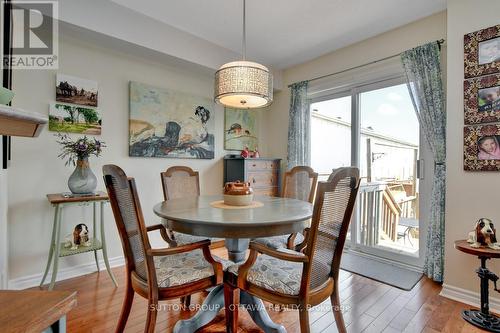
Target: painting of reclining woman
pixel 75 90
pixel 170 124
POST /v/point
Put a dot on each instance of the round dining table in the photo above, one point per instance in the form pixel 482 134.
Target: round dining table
pixel 203 216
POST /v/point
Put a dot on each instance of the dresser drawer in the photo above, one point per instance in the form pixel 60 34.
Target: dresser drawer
pixel 267 191
pixel 261 165
pixel 263 179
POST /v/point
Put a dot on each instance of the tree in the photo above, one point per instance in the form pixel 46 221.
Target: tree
pixel 69 109
pixel 90 115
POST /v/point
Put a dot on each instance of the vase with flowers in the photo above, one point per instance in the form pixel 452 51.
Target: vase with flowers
pixel 76 152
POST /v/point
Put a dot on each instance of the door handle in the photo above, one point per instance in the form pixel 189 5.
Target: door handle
pixel 420 169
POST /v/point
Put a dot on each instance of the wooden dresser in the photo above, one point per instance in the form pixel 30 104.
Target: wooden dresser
pixel 262 173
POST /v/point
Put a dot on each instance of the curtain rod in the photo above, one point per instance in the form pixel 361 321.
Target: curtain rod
pixel 440 42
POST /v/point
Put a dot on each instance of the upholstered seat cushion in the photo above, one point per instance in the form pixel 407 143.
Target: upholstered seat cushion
pixel 183 239
pixel 278 242
pixel 181 268
pixel 274 274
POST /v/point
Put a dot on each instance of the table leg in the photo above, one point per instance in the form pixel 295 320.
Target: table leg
pixel 258 312
pixel 482 318
pixel 208 310
pixel 104 248
pixel 52 240
pixel 94 223
pixel 57 245
pixel 236 249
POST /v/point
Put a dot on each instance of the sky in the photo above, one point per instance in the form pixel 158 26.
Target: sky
pixel 389 111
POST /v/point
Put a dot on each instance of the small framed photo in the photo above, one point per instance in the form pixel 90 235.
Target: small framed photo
pixel 482 52
pixel 482 99
pixel 482 147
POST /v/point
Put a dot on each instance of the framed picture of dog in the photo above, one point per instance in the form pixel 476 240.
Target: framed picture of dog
pixel 482 52
pixel 482 99
pixel 482 147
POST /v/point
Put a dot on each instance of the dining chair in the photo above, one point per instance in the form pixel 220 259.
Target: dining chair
pixel 181 182
pixel 155 274
pixel 299 183
pixel 306 278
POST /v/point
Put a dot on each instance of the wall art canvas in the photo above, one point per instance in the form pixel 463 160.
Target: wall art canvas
pixel 72 118
pixel 482 147
pixel 75 90
pixel 168 123
pixel 240 129
pixel 482 52
pixel 482 99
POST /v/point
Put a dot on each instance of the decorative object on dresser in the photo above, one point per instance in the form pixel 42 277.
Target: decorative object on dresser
pixel 263 174
pixel 57 246
pixel 168 123
pixel 238 194
pixel 240 129
pixel 82 180
pixel 482 52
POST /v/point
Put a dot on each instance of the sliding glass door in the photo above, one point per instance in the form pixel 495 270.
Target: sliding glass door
pixel 375 128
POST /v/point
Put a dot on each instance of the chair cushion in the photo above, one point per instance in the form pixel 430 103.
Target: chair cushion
pixel 183 239
pixel 278 242
pixel 274 274
pixel 181 268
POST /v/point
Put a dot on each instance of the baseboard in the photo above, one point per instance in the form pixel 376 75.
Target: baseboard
pixel 468 297
pixel 63 274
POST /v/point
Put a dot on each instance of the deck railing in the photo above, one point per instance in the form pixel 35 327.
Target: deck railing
pixel 379 213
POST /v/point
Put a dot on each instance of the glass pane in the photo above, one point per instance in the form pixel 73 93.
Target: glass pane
pixel 389 148
pixel 330 135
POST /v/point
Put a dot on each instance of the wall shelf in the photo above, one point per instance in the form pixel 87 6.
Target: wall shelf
pixel 19 122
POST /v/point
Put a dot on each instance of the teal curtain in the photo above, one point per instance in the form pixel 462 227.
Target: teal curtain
pixel 422 66
pixel 299 123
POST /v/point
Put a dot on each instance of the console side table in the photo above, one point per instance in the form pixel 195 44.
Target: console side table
pixel 57 249
pixel 482 318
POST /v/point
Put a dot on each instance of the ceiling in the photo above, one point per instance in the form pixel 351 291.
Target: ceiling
pixel 282 33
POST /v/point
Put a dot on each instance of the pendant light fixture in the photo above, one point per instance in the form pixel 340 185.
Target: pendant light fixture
pixel 243 84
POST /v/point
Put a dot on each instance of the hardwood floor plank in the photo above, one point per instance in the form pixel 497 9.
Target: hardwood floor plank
pixel 370 307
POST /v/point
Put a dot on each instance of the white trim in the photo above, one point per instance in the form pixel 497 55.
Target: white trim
pixel 468 297
pixel 65 273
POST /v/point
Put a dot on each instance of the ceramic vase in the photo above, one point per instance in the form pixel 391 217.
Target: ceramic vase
pixel 82 180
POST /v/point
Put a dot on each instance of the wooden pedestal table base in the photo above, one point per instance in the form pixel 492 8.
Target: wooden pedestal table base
pixel 482 318
pixel 198 216
pixel 214 302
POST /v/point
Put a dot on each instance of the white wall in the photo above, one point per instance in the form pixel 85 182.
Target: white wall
pixel 36 170
pixel 469 195
pixel 384 45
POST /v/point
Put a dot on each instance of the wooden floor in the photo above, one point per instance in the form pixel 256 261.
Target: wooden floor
pixel 370 306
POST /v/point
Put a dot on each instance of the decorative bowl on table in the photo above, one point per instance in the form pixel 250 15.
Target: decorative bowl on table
pixel 238 194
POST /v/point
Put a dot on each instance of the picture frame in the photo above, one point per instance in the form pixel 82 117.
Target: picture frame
pixel 74 118
pixel 482 99
pixel 240 129
pixel 482 52
pixel 75 90
pixel 166 123
pixel 482 148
